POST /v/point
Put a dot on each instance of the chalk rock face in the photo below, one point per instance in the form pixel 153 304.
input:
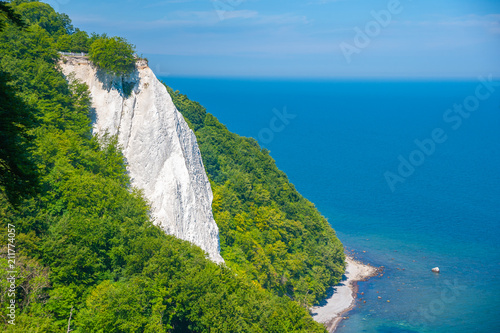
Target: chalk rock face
pixel 162 154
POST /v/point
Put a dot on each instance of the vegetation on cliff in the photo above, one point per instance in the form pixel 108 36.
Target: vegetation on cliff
pixel 268 231
pixel 85 248
pixel 113 55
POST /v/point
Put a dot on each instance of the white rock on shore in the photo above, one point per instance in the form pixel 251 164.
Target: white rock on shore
pixel 161 150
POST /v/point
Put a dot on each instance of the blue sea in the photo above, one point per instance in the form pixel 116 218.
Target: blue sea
pixel 407 173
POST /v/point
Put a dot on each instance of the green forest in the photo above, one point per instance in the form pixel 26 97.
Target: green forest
pixel 268 231
pixel 87 256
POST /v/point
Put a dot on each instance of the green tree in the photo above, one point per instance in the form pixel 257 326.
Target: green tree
pixel 18 174
pixel 121 307
pixel 7 14
pixel 41 14
pixel 113 55
pixel 79 41
pixel 76 42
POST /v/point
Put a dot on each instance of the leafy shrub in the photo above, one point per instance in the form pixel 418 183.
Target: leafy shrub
pixel 113 55
pixel 76 42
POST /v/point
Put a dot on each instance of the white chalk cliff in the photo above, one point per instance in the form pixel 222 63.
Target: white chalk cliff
pixel 162 154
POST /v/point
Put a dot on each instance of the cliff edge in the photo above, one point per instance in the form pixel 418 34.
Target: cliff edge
pixel 162 153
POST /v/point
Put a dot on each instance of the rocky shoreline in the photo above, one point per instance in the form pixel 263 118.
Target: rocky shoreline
pixel 341 299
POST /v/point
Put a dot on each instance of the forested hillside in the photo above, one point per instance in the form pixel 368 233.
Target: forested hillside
pixel 268 231
pixel 87 257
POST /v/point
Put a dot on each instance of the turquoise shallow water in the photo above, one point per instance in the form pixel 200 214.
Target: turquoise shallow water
pixel 336 141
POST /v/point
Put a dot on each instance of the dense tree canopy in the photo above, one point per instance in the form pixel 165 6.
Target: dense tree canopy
pixel 7 14
pixel 18 176
pixel 78 41
pixel 113 54
pixel 85 244
pixel 41 14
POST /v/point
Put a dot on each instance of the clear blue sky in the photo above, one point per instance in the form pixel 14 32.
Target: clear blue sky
pixel 302 38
